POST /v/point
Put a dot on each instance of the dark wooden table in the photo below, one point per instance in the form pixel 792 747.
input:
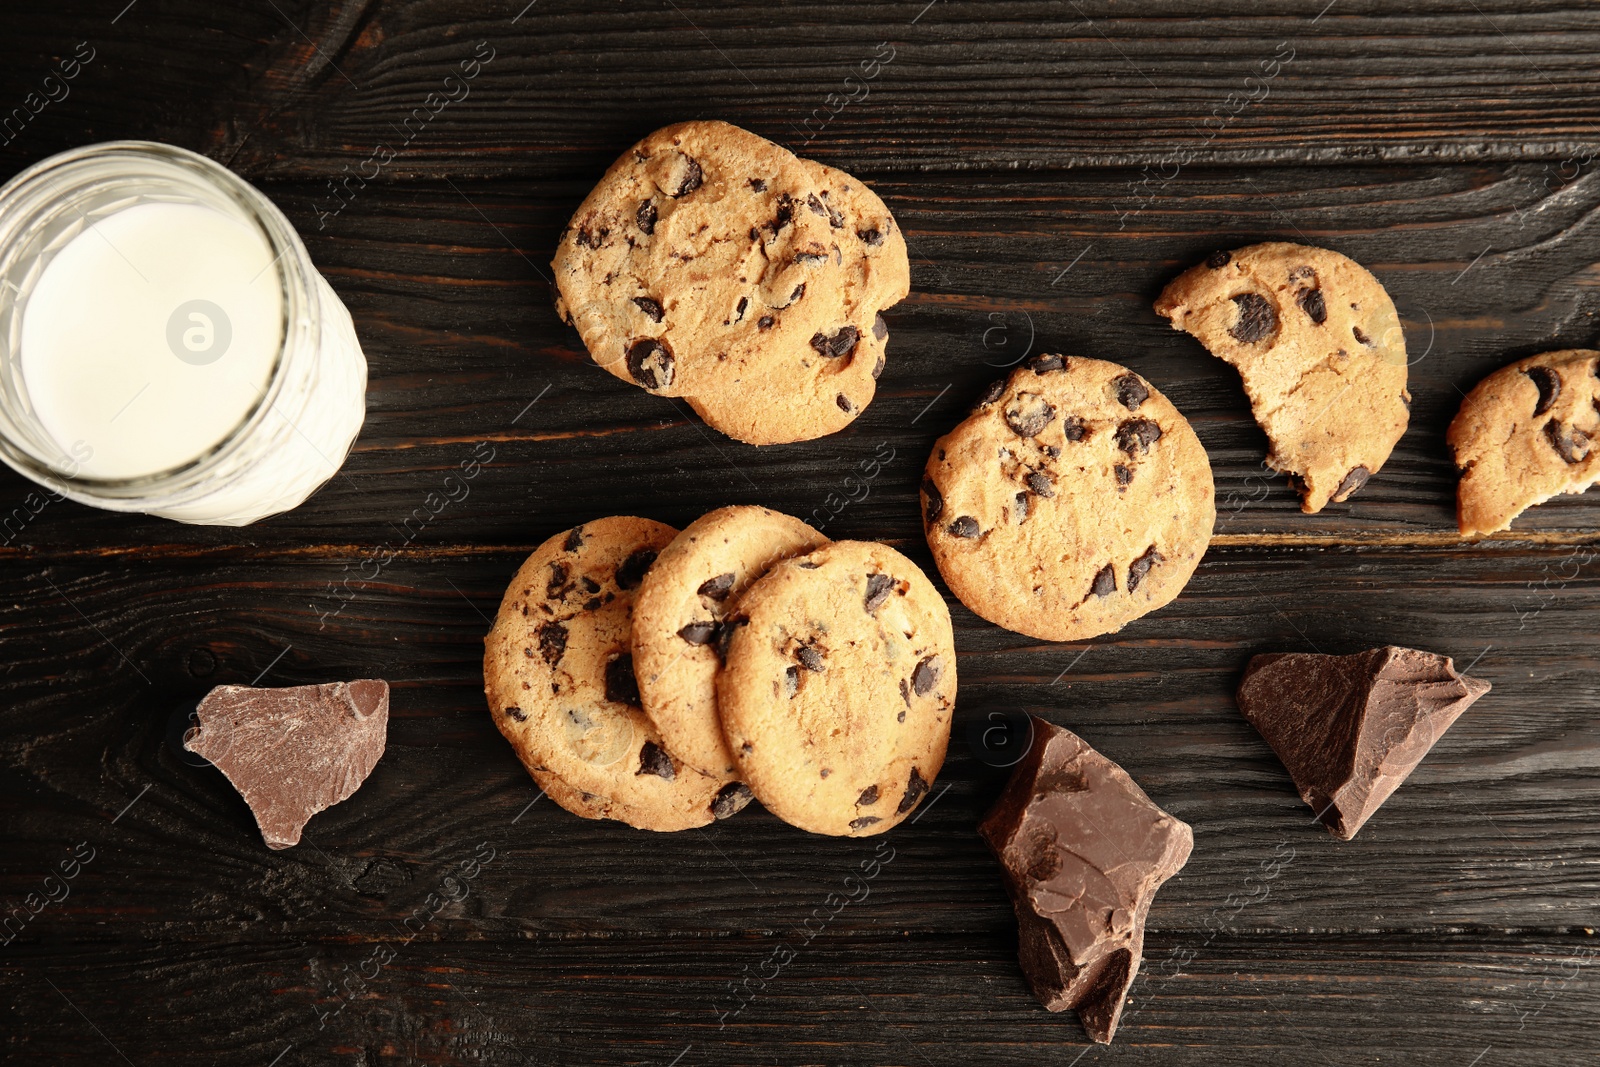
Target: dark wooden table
pixel 1052 164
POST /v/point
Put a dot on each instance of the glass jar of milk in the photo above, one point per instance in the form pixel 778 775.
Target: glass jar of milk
pixel 166 345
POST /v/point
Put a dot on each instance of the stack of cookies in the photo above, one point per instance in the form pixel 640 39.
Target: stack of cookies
pixel 714 265
pixel 662 678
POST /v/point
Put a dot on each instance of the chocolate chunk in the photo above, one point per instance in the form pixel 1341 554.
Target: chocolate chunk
pixel 1021 501
pixel 842 343
pixel 799 291
pixel 1572 447
pixel 933 505
pixel 1350 729
pixel 589 584
pixel 552 642
pixel 1257 321
pixel 877 368
pixel 1040 483
pixel 879 586
pixel 1549 383
pixel 765 322
pixel 650 308
pixel 631 572
pixel 650 363
pixel 864 821
pixel 916 789
pixel 1105 582
pixel 1084 851
pixel 1045 363
pixel 725 631
pixel 730 800
pixel 557 586
pixel 1141 567
pixel 810 659
pixel 758 184
pixel 592 604
pixel 1073 429
pixel 869 795
pixel 880 329
pixel 1351 482
pixel 739 308
pixel 871 236
pixel 293 752
pixel 791 681
pixel 1123 474
pixel 699 633
pixel 905 694
pixel 1051 450
pixel 717 588
pixel 844 403
pixel 991 392
pixel 1028 414
pixel 1135 436
pixel 926 675
pixel 646 216
pixel 964 526
pixel 1218 260
pixel 517 714
pixel 692 178
pixel 653 759
pixel 1131 390
pixel 808 259
pixel 1359 336
pixel 574 540
pixel 621 686
pixel 1311 302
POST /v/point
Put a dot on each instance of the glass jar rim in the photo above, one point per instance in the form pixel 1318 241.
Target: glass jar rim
pixel 292 267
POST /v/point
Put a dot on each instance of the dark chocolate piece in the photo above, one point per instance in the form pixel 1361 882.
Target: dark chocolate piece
pixel 1084 851
pixel 1257 320
pixel 293 752
pixel 1350 729
pixel 730 800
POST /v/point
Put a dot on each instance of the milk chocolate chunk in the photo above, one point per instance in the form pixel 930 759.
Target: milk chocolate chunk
pixel 293 752
pixel 1350 729
pixel 1083 852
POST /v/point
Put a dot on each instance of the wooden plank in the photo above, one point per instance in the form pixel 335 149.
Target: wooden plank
pixel 103 658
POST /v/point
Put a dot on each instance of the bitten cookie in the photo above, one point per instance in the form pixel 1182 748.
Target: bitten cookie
pixel 678 621
pixel 1072 500
pixel 839 688
pixel 1319 347
pixel 558 676
pixel 712 264
pixel 1524 434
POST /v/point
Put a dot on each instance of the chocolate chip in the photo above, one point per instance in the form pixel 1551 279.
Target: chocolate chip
pixel 589 584
pixel 964 526
pixel 1141 567
pixel 730 800
pixel 1354 480
pixel 518 714
pixel 646 216
pixel 842 343
pixel 1131 391
pixel 1040 483
pixel 1218 260
pixel 869 795
pixel 905 694
pixel 916 788
pixel 811 259
pixel 1135 436
pixel 1574 447
pixel 816 205
pixel 717 588
pixel 933 505
pixel 621 686
pixel 1028 414
pixel 1105 582
pixel 699 633
pixel 871 236
pixel 864 822
pixel 586 239
pixel 556 586
pixel 791 681
pixel 782 216
pixel 765 322
pixel 592 604
pixel 810 659
pixel 1124 474
pixel 1257 321
pixel 739 308
pixel 631 572
pixel 1022 506
pixel 992 392
pixel 1051 450
pixel 758 185
pixel 880 329
pixel 1073 428
pixel 552 641
pixel 574 539
pixel 650 308
pixel 1311 302
pixel 654 760
pixel 1549 383
pixel 692 177
pixel 799 291
pixel 879 586
pixel 926 675
pixel 844 403
pixel 1359 336
pixel 725 631
pixel 877 368
pixel 1044 364
pixel 650 363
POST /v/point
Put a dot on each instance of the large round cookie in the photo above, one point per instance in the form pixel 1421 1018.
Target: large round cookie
pixel 839 688
pixel 677 621
pixel 1319 347
pixel 558 676
pixel 1526 433
pixel 712 264
pixel 1072 500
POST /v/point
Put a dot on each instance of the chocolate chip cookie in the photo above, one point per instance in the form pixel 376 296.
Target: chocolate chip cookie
pixel 558 675
pixel 1319 347
pixel 712 264
pixel 679 621
pixel 1526 433
pixel 1072 500
pixel 839 687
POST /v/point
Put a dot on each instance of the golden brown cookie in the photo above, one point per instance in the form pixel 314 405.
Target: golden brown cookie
pixel 1526 433
pixel 558 675
pixel 839 688
pixel 712 264
pixel 1319 347
pixel 677 621
pixel 1072 500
